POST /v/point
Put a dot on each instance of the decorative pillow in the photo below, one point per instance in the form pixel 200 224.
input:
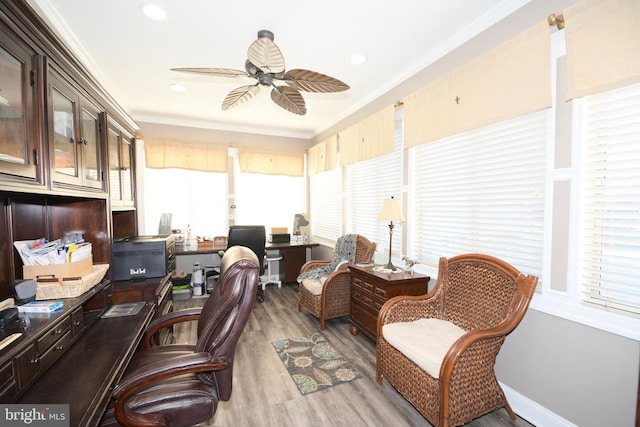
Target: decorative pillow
pixel 424 341
pixel 314 286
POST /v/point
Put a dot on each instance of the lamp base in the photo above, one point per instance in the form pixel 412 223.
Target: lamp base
pixel 390 266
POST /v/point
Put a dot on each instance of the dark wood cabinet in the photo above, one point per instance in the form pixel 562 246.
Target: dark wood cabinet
pixel 45 338
pixel 121 157
pixel 371 289
pixel 75 140
pixel 21 154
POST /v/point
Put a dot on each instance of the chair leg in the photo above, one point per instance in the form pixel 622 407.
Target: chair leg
pixel 509 410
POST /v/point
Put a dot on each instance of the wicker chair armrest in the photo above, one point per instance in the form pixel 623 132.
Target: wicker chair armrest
pixel 336 280
pixel 168 320
pixel 313 264
pixel 407 308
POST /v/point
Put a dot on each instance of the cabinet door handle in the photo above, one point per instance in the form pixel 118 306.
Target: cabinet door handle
pixel 82 141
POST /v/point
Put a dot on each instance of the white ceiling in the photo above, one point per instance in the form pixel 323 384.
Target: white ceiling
pixel 131 55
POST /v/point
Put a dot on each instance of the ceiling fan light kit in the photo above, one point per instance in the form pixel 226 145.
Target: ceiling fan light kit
pixel 265 63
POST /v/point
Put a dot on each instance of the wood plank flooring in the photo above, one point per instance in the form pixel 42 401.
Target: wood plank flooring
pixel 264 394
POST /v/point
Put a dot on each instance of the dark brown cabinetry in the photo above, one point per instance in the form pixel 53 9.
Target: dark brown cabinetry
pixel 74 136
pixel 45 338
pixel 121 177
pixel 371 289
pixel 21 155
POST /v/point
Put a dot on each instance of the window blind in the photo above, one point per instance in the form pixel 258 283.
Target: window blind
pixel 481 191
pixel 610 246
pixel 326 204
pixel 367 184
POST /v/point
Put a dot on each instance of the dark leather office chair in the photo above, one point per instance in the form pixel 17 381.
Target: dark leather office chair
pixel 254 238
pixel 181 384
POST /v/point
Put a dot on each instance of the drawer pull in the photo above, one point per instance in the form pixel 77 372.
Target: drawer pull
pixel 56 332
pixel 367 301
pixel 34 361
pixel 77 323
pixel 379 291
pixel 59 348
pixel 368 286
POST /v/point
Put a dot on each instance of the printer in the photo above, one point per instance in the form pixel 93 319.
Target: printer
pixel 143 257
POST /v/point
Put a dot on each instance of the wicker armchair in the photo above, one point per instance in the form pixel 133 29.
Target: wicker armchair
pixel 334 301
pixel 484 299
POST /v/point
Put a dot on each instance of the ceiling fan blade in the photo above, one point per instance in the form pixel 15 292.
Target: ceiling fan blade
pixel 290 99
pixel 221 72
pixel 311 81
pixel 264 54
pixel 239 96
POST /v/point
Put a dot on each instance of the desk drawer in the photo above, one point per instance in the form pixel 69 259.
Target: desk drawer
pixel 54 334
pixel 55 350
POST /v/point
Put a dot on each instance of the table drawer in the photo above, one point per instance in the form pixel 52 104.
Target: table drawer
pixel 364 318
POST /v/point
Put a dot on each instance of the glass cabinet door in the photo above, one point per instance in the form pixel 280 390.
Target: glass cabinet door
pixel 114 166
pixel 19 152
pixel 127 172
pixel 65 157
pixel 90 141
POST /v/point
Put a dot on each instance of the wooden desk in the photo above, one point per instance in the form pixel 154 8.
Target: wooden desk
pixel 85 375
pixel 294 255
pixel 371 289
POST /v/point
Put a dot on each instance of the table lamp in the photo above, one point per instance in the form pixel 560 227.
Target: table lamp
pixel 391 210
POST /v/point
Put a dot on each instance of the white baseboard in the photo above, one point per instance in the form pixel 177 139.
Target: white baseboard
pixel 533 412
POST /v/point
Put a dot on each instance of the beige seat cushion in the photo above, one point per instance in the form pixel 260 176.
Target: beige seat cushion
pixel 424 341
pixel 314 286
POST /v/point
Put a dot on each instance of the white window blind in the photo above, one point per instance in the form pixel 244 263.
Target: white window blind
pixel 369 182
pixel 481 191
pixel 194 198
pixel 269 200
pixel 609 274
pixel 326 204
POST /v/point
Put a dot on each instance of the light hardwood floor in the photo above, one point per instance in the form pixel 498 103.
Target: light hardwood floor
pixel 264 394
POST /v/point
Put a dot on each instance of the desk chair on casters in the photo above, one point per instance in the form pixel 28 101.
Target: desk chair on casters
pixel 254 238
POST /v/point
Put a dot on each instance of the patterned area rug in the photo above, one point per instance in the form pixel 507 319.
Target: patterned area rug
pixel 313 363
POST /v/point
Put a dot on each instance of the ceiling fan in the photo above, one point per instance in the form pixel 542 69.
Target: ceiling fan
pixel 265 63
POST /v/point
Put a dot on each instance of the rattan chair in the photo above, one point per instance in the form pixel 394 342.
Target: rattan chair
pixel 334 301
pixel 482 297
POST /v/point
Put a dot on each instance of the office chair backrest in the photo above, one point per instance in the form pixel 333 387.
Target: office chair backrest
pixel 251 236
pixel 226 312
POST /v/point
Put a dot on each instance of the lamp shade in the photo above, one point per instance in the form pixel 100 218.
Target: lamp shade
pixel 391 210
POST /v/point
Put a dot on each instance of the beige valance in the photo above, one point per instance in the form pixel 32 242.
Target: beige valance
pixel 163 153
pixel 603 45
pixel 372 137
pixel 509 80
pixel 322 156
pixel 271 162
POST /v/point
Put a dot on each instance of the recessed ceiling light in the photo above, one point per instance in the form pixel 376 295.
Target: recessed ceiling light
pixel 178 88
pixel 358 59
pixel 153 11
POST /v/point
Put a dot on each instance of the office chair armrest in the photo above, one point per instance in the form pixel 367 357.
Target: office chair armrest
pixel 168 320
pixel 158 371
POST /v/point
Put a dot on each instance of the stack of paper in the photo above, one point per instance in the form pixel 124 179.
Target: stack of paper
pixel 53 252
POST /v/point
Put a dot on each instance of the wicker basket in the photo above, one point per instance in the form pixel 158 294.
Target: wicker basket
pixel 71 288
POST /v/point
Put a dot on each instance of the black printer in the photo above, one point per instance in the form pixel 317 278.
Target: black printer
pixel 143 257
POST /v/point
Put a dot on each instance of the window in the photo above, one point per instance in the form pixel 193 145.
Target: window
pixel 610 200
pixel 269 200
pixel 326 205
pixel 481 191
pixel 369 182
pixel 194 198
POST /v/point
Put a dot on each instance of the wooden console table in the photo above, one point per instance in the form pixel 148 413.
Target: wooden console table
pixel 371 289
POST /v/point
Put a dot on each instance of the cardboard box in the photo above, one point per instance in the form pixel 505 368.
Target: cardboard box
pixel 279 230
pixel 59 271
